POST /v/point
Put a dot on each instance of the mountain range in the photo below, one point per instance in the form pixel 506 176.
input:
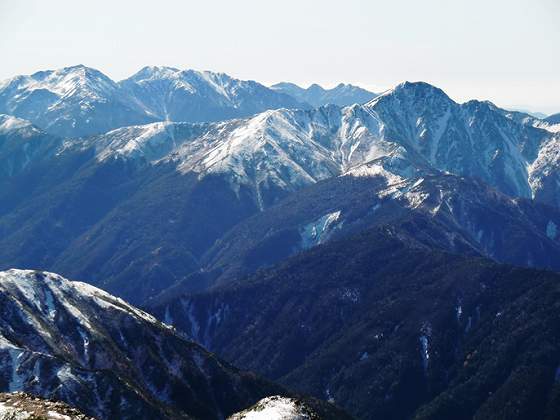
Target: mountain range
pixel 137 209
pixel 389 328
pixel 315 95
pixel 344 244
pixel 80 101
pixel 553 119
pixel 73 342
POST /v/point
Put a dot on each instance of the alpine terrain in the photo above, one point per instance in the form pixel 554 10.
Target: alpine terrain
pixel 75 343
pixel 395 255
pixel 138 209
pixel 386 327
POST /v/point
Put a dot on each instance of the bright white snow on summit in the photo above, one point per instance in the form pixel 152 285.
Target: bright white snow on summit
pixel 65 83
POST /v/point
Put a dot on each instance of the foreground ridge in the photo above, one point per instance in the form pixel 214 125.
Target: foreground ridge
pixel 75 343
pixel 21 406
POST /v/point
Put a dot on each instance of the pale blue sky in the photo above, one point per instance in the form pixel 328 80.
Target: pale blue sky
pixel 507 51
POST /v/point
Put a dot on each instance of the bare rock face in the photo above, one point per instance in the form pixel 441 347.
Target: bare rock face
pixel 21 406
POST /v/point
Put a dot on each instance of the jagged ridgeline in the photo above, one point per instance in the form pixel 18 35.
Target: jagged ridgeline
pixel 343 244
pixel 139 209
pixel 75 343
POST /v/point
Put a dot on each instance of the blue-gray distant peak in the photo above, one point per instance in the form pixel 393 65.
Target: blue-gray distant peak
pixel 315 95
pixel 553 119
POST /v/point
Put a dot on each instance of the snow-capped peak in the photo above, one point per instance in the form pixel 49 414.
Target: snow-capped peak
pixel 276 408
pixel 407 93
pixel 71 101
pixel 149 142
pixel 70 81
pixel 272 147
pixel 154 72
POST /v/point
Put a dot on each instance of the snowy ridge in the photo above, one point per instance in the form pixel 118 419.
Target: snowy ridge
pixel 188 95
pixel 552 127
pixel 38 290
pixel 276 408
pixel 414 128
pixel 76 343
pixel 67 82
pixel 21 144
pixel 151 142
pixel 72 101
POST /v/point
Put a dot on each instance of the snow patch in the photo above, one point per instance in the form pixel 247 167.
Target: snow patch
pixel 9 123
pixel 551 230
pixel 318 231
pixel 425 339
pixel 375 170
pixel 458 312
pixel 65 375
pixel 54 415
pixel 49 302
pixel 16 381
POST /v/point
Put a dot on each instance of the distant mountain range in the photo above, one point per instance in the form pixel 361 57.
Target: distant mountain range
pixel 316 96
pixel 553 119
pixel 170 94
pixel 79 101
pixel 72 101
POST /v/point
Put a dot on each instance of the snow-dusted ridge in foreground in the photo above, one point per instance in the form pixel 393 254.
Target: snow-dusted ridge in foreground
pixel 75 343
pixel 40 291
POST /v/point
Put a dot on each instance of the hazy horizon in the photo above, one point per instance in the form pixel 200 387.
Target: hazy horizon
pixel 502 52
